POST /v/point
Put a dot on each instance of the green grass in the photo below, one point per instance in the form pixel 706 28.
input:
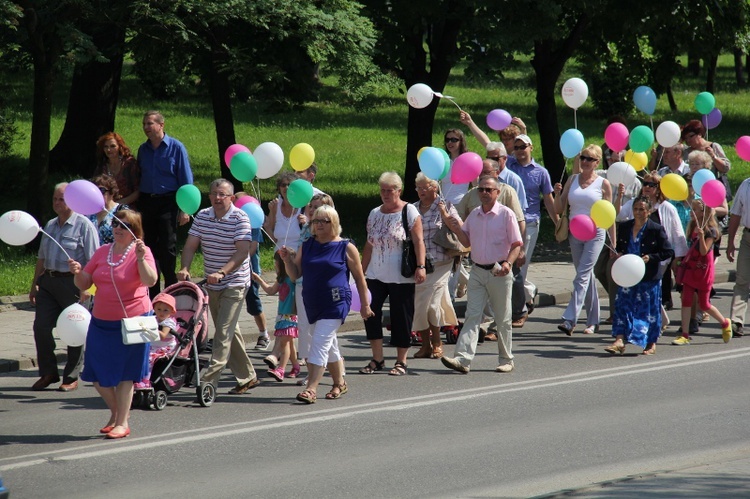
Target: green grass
pixel 352 148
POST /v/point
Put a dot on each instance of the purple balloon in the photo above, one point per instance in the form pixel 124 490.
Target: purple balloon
pixel 498 119
pixel 84 197
pixel 712 119
pixel 356 302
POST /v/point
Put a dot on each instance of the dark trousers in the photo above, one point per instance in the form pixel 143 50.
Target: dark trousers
pixel 401 301
pixel 518 295
pixel 160 234
pixel 55 294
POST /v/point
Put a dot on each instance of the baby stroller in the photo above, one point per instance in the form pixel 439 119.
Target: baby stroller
pixel 183 366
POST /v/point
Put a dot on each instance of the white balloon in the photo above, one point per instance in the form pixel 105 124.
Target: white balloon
pixel 73 324
pixel 620 173
pixel 628 270
pixel 575 92
pixel 18 228
pixel 668 134
pixel 419 95
pixel 270 159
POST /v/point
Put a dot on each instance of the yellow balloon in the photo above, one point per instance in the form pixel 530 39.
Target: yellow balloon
pixel 603 213
pixel 301 156
pixel 419 153
pixel 638 160
pixel 92 290
pixel 674 187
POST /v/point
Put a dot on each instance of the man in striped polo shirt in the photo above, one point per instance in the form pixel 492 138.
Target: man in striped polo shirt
pixel 223 231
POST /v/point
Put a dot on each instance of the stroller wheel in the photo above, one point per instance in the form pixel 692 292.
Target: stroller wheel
pixel 206 394
pixel 160 400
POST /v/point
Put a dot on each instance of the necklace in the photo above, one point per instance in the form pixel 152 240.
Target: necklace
pixel 122 258
pixel 110 171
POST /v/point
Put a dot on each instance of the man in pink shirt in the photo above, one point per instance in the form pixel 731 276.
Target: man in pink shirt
pixel 492 232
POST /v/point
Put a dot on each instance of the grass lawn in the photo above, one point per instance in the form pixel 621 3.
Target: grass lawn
pixel 352 148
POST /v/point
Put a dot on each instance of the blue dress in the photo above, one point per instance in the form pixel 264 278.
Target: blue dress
pixel 326 293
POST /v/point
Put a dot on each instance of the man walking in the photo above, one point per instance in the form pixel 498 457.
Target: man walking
pixel 740 217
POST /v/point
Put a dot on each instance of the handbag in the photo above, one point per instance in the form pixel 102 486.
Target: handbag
pixel 408 255
pixel 446 239
pixel 142 329
pixel 561 228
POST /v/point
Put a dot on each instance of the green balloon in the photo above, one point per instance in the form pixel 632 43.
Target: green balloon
pixel 641 138
pixel 705 102
pixel 447 166
pixel 188 198
pixel 300 193
pixel 243 166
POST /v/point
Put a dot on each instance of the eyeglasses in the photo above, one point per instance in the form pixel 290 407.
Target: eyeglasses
pixel 521 148
pixel 220 195
pixel 116 223
pixel 103 190
pixel 588 158
pixel 319 221
pixel 422 189
pixel 650 184
pixel 486 189
pixel 452 140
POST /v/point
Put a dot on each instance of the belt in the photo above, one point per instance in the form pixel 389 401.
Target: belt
pixel 55 273
pixel 155 196
pixel 485 267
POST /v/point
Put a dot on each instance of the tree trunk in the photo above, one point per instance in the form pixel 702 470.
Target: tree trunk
pixel 222 108
pixel 694 63
pixel 710 64
pixel 739 74
pixel 38 199
pixel 670 98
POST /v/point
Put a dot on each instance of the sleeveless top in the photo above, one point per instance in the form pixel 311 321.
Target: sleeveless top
pixel 287 230
pixel 326 293
pixel 581 200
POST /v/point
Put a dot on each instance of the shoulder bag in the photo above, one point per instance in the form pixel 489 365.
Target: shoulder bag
pixel 408 255
pixel 561 228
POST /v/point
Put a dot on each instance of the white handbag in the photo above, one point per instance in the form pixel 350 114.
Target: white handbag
pixel 141 329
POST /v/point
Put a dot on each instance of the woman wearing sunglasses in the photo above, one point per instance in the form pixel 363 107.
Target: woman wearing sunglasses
pixel 454 141
pixel 103 220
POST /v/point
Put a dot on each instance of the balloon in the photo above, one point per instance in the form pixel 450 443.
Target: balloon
pixel 674 187
pixel 188 198
pixel 254 201
pixel 356 302
pixel 84 197
pixel 73 324
pixel 645 100
pixel 421 150
pixel 668 134
pixel 432 163
pixel 270 159
pixel 641 138
pixel 743 147
pixel 700 178
pixel 244 166
pixel 616 136
pixel 713 193
pixel 498 119
pixel 466 168
pixel 242 201
pixel 628 270
pixel 571 142
pixel 603 214
pixel 419 96
pixel 18 228
pixel 620 173
pixel 92 290
pixel 582 227
pixel 254 213
pixel 301 156
pixel 231 151
pixel 446 164
pixel 705 102
pixel 712 119
pixel 638 160
pixel 300 193
pixel 575 92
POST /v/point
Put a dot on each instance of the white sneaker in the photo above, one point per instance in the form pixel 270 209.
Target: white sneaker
pixel 505 368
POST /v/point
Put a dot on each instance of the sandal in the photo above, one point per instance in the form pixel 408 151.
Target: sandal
pixel 437 352
pixel 337 391
pixel 566 327
pixel 425 352
pixel 308 396
pixel 373 366
pixel 591 329
pixel 399 369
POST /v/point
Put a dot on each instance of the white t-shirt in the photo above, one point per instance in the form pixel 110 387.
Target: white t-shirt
pixel 385 232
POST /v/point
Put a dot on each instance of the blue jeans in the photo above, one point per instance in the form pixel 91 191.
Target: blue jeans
pixel 585 254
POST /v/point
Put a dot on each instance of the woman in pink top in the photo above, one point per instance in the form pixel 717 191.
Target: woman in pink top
pixel 122 272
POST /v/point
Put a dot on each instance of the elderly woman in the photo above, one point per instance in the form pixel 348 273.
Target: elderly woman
pixel 381 260
pixel 115 160
pixel 581 191
pixel 693 135
pixel 122 272
pixel 432 305
pixel 325 260
pixel 103 220
pixel 282 222
pixel 638 308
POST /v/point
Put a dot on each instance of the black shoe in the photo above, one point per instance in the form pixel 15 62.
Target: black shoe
pixel 693 327
pixel 737 330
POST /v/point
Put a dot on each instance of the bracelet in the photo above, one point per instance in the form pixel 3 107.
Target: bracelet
pixel 421 267
pixel 141 259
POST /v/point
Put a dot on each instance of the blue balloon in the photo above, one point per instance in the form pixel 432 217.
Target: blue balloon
pixel 645 99
pixel 432 163
pixel 255 213
pixel 571 143
pixel 701 177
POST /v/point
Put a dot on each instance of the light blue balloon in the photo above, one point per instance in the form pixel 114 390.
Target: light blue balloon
pixel 701 177
pixel 432 163
pixel 645 99
pixel 571 143
pixel 255 213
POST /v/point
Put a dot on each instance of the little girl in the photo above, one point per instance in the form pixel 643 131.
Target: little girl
pixel 698 267
pixel 286 322
pixel 164 309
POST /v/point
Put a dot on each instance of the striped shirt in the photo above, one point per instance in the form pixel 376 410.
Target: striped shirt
pixel 77 235
pixel 218 237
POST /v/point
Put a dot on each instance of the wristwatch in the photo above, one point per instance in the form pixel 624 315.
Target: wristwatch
pixel 223 274
pixel 421 267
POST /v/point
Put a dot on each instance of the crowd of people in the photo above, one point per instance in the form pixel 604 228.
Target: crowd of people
pixel 476 238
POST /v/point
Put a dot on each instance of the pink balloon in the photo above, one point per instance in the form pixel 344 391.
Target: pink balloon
pixel 616 136
pixel 743 147
pixel 498 119
pixel 231 151
pixel 356 302
pixel 254 201
pixel 84 197
pixel 466 168
pixel 240 202
pixel 713 193
pixel 583 227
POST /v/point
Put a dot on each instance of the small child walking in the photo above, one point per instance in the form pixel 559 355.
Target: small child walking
pixel 286 322
pixel 164 308
pixel 698 265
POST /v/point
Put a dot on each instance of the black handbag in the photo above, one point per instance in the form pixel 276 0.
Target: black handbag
pixel 408 255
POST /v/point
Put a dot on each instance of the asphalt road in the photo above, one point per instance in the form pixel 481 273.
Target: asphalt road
pixel 569 418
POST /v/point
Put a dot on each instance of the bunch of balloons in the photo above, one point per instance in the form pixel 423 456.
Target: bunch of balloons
pixel 251 207
pixel 708 188
pixel 602 216
pixel 434 162
pixel 265 162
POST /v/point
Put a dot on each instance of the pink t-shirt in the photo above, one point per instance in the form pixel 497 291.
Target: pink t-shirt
pixel 492 234
pixel 133 292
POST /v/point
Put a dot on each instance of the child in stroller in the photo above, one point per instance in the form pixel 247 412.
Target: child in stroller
pixel 164 308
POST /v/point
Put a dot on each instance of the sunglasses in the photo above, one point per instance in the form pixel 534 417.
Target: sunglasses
pixel 452 140
pixel 319 221
pixel 116 223
pixel 486 189
pixel 103 190
pixel 521 148
pixel 589 159
pixel 650 184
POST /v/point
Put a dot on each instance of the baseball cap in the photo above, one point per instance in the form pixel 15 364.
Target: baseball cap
pixel 165 299
pixel 524 138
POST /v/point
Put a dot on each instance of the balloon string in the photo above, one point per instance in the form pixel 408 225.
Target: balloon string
pixel 125 226
pixel 269 237
pixel 565 167
pixel 652 123
pixel 454 103
pixel 575 119
pixel 55 241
